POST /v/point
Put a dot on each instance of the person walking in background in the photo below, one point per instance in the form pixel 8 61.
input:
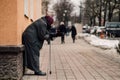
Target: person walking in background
pixel 73 33
pixel 62 30
pixel 33 38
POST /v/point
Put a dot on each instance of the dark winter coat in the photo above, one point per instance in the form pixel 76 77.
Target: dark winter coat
pixel 33 38
pixel 73 31
pixel 62 29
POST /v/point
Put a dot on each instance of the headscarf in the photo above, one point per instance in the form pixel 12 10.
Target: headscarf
pixel 49 20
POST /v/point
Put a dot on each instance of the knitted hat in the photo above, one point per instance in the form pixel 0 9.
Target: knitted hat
pixel 49 20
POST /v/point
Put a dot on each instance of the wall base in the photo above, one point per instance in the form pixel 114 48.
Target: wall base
pixel 11 62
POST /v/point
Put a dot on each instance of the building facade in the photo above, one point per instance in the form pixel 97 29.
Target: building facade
pixel 15 16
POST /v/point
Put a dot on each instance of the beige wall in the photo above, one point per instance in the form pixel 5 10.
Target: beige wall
pixel 20 20
pixel 13 22
pixel 8 22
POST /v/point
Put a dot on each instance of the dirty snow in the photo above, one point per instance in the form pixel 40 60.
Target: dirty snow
pixel 108 46
pixel 98 42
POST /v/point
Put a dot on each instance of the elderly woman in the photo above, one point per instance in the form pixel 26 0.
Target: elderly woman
pixel 33 38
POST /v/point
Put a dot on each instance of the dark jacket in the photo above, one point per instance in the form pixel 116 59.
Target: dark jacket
pixel 62 29
pixel 73 30
pixel 33 38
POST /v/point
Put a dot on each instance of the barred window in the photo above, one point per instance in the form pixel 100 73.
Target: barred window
pixel 26 8
pixel 31 9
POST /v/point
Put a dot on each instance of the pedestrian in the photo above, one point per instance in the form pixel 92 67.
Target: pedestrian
pixel 62 29
pixel 73 33
pixel 33 38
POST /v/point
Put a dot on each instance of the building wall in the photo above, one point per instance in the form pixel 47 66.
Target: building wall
pixel 8 22
pixel 13 22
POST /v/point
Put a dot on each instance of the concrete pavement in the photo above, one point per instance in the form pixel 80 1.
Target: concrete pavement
pixel 75 61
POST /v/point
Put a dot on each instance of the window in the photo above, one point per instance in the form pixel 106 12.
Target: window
pixel 38 8
pixel 26 8
pixel 31 9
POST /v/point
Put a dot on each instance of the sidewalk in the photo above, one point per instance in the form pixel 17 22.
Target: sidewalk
pixel 75 61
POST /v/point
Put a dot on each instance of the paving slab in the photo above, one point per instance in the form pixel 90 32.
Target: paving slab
pixel 75 61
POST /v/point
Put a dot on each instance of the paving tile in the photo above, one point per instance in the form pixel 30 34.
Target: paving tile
pixel 78 61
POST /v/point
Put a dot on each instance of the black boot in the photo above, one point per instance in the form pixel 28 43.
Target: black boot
pixel 40 73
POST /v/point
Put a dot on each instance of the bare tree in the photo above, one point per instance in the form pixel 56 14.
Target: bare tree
pixel 91 11
pixel 102 9
pixel 105 9
pixel 111 6
pixel 118 7
pixel 63 10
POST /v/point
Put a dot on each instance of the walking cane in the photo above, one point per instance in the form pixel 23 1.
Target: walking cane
pixel 50 58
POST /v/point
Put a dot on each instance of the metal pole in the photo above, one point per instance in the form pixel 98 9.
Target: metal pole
pixel 50 58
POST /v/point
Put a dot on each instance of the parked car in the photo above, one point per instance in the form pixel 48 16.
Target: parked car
pixel 86 29
pixel 100 29
pixel 93 29
pixel 112 29
pixel 97 30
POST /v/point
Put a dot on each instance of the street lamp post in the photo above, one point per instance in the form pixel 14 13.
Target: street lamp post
pixel 65 16
pixel 80 15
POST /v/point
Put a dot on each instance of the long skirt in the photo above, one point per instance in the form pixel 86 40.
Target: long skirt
pixel 31 54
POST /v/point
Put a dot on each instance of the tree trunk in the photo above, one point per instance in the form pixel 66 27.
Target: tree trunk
pixel 100 13
pixel 119 15
pixel 110 16
pixel 105 13
pixel 94 21
pixel 91 23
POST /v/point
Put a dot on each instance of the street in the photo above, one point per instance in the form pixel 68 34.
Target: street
pixel 75 61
